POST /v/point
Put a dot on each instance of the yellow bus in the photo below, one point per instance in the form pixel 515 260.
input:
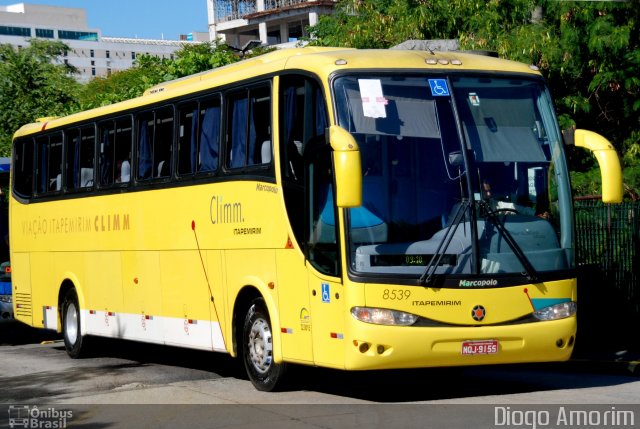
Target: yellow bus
pixel 352 209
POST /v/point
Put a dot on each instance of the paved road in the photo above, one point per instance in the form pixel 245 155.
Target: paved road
pixel 132 373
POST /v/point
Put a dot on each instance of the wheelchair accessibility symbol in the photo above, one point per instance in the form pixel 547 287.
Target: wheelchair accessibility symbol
pixel 326 293
pixel 439 87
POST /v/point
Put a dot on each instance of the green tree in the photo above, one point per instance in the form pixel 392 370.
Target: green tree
pixel 126 84
pixel 201 57
pixel 589 52
pixel 149 71
pixel 33 84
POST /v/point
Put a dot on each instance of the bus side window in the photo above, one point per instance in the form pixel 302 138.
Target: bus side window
pixel 87 156
pixel 249 130
pixel 163 142
pixel 23 167
pixel 106 134
pixel 237 132
pixel 259 150
pixel 187 138
pixel 122 149
pixel 80 157
pixel 144 145
pixel 199 136
pixel 209 135
pixel 114 156
pixel 49 163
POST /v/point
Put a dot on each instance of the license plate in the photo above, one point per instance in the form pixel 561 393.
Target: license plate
pixel 486 347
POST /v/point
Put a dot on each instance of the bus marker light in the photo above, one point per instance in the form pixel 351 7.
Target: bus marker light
pixel 148 317
pixel 111 314
pixel 337 336
pixel 192 322
pixel 92 312
pixel 135 280
pixel 286 330
pixel 289 244
pixel 431 61
pixel 271 285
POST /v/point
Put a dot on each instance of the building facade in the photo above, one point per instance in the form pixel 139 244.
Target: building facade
pixel 273 22
pixel 91 53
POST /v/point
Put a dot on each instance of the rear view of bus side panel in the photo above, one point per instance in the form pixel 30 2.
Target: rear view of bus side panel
pixel 21 279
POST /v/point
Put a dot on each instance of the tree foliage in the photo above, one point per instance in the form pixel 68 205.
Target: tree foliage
pixel 589 52
pixel 32 85
pixel 149 71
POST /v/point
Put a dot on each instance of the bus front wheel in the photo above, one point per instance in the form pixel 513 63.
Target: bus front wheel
pixel 74 342
pixel 257 349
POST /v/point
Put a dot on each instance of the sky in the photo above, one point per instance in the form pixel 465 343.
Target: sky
pixel 143 19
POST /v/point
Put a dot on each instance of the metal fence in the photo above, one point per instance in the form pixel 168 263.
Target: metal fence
pixel 608 256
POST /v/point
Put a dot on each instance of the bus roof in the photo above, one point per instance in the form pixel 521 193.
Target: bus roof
pixel 319 60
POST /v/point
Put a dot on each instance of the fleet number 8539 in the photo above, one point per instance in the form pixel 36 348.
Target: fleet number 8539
pixel 396 294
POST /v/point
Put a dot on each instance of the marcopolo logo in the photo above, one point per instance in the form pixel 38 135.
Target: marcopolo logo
pixel 24 416
pixel 478 283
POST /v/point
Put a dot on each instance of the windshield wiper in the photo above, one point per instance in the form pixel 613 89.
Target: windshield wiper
pixel 530 272
pixel 428 275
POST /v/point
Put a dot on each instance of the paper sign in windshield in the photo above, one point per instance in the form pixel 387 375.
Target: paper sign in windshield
pixel 373 101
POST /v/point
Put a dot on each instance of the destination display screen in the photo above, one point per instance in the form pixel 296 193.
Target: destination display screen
pixel 409 260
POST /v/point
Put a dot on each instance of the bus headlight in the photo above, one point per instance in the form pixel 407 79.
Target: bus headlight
pixel 558 311
pixel 6 298
pixel 383 316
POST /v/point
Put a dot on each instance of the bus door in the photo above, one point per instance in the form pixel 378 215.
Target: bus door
pixel 311 283
pixel 323 259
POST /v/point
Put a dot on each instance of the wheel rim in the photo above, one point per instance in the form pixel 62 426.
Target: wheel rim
pixel 71 323
pixel 260 346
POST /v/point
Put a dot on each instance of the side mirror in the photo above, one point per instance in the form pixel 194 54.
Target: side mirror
pixel 607 157
pixel 347 166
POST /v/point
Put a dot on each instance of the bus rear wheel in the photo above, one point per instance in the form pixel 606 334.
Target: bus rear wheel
pixel 74 342
pixel 257 349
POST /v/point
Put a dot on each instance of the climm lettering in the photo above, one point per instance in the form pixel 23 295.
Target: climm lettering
pixel 222 212
pixel 111 222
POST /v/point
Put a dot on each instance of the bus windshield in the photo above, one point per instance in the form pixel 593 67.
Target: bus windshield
pixel 462 175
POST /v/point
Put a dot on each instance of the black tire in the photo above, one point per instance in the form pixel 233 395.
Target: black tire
pixel 257 349
pixel 74 342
